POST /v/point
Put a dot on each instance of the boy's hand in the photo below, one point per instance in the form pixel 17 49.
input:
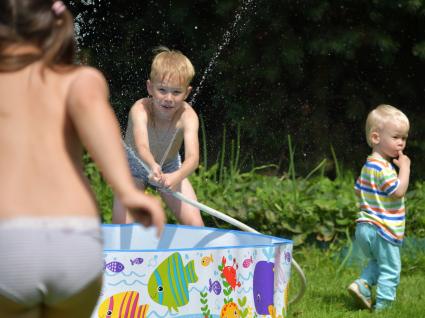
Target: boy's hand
pixel 402 161
pixel 156 176
pixel 171 181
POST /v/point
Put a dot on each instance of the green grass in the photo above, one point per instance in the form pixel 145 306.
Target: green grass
pixel 326 294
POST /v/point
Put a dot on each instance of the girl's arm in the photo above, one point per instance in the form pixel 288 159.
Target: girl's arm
pixel 98 129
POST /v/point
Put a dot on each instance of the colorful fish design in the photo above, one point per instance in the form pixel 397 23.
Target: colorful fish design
pixel 230 310
pixel 136 261
pixel 207 260
pixel 168 284
pixel 113 266
pixel 273 313
pixel 263 281
pixel 215 287
pixel 229 273
pixel 246 263
pixel 123 305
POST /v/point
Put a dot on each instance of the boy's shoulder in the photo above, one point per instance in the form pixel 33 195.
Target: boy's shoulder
pixel 187 110
pixel 140 106
pixel 378 165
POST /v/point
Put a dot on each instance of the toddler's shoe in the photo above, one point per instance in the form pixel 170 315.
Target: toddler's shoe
pixel 360 291
pixel 382 304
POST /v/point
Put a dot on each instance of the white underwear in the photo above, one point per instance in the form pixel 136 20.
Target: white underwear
pixel 47 260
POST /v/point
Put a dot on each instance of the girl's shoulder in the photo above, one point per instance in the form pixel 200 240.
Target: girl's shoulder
pixel 87 74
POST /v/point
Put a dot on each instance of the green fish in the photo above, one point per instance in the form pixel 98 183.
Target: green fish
pixel 168 284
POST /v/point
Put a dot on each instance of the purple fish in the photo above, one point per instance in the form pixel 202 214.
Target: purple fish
pixel 136 261
pixel 114 266
pixel 215 287
pixel 263 287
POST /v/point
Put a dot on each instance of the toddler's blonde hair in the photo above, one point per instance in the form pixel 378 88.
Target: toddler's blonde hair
pixel 381 115
pixel 168 63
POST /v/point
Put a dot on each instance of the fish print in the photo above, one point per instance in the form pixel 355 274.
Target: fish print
pixel 114 266
pixel 123 305
pixel 215 287
pixel 272 312
pixel 288 257
pixel 230 310
pixel 262 286
pixel 169 282
pixel 246 263
pixel 207 260
pixel 136 261
pixel 229 273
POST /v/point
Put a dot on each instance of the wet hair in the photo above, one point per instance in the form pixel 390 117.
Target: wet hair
pixel 34 22
pixel 382 114
pixel 167 63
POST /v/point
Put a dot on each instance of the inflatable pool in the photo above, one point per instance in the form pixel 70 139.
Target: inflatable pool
pixel 193 272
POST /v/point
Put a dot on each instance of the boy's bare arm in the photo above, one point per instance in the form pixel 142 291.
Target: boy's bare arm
pixel 403 162
pixel 139 118
pixel 190 128
pixel 191 144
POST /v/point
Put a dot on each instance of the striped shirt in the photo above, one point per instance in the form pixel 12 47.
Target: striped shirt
pixel 377 182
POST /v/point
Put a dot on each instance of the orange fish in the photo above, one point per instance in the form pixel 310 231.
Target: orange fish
pixel 230 310
pixel 206 260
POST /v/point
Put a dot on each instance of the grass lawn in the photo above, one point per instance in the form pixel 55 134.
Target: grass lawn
pixel 326 294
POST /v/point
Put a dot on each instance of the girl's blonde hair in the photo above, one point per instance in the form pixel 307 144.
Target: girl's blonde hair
pixel 167 63
pixel 382 114
pixel 35 22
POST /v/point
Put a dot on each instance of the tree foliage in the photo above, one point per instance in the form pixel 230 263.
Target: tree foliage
pixel 309 68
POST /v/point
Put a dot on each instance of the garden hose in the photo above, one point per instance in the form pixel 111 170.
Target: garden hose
pixel 245 228
pixel 227 219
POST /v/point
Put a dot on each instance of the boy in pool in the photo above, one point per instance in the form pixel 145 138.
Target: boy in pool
pixel 380 194
pixel 157 127
pixel 50 236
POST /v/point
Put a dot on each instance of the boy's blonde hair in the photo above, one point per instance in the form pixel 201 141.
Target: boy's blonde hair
pixel 167 63
pixel 381 115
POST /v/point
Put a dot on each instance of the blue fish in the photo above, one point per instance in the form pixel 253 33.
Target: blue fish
pixel 114 266
pixel 215 287
pixel 169 283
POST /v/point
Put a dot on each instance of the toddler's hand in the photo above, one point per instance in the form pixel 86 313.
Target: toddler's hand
pixel 402 161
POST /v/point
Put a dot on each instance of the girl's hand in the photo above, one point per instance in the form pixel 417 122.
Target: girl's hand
pixel 145 209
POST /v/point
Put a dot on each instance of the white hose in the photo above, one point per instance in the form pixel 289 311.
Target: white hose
pixel 245 228
pixel 229 220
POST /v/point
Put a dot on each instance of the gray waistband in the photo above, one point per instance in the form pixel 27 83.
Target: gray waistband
pixel 81 223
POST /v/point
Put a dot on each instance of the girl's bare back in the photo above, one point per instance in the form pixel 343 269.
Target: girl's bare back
pixel 40 161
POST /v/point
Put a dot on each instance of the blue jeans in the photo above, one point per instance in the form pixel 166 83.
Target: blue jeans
pixel 384 264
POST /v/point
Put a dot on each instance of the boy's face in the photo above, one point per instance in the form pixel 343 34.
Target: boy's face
pixel 391 139
pixel 168 94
